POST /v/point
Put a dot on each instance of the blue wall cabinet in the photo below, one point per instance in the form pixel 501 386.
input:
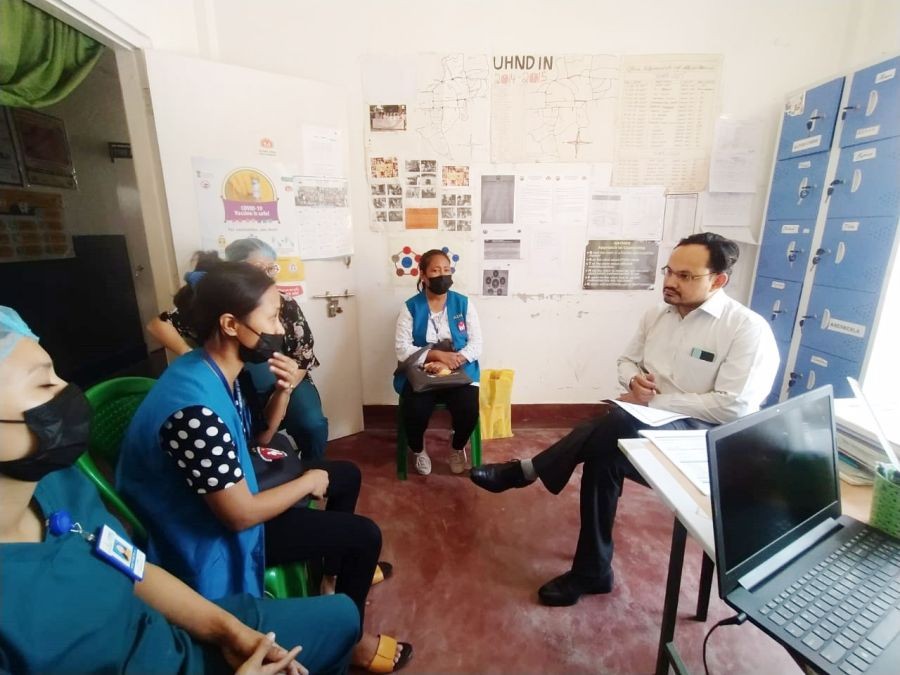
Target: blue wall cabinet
pixel 797 187
pixel 786 248
pixel 807 124
pixel 831 228
pixel 872 111
pixel 866 181
pixel 776 300
pixel 813 369
pixel 838 321
pixel 855 252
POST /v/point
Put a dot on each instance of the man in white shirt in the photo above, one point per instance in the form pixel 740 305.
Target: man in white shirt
pixel 701 354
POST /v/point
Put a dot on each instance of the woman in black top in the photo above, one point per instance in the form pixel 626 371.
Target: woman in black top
pixel 304 419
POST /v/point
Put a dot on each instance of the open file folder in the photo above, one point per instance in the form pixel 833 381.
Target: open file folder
pixel 687 451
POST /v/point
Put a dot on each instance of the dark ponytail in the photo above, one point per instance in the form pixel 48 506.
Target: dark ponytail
pixel 225 288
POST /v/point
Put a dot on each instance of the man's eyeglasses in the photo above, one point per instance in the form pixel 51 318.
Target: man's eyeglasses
pixel 682 276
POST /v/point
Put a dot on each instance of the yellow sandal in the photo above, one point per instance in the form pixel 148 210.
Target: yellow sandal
pixel 383 570
pixel 383 661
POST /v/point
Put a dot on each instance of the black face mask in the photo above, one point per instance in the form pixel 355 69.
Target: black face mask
pixel 268 344
pixel 63 428
pixel 440 285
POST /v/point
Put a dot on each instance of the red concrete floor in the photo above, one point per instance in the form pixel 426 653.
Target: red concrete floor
pixel 468 563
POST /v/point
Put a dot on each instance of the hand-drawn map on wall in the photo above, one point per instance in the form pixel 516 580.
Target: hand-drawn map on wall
pixel 553 108
pixel 451 116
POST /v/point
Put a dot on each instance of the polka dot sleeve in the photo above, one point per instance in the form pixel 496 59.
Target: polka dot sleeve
pixel 199 443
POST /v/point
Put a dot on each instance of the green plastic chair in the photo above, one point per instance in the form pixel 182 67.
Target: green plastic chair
pixel 113 404
pixel 403 446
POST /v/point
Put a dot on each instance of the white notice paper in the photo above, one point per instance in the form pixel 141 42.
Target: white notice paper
pixel 322 205
pixel 687 451
pixel 731 214
pixel 626 213
pixel 735 157
pixel 666 112
pixel 322 152
pixel 681 216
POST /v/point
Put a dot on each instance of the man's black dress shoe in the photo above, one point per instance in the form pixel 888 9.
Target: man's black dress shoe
pixel 499 477
pixel 567 589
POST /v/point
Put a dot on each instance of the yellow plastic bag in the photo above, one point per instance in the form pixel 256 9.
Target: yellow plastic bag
pixel 495 402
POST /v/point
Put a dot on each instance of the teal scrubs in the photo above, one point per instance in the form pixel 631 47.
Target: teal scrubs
pixel 63 610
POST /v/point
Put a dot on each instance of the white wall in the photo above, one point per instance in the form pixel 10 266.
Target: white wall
pixel 562 348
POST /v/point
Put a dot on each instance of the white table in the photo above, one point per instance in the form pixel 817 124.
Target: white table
pixel 692 511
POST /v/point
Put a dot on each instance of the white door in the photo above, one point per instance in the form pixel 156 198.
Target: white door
pixel 220 112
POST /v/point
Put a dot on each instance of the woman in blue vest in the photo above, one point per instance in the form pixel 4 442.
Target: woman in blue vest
pixel 304 420
pixel 66 609
pixel 448 322
pixel 186 468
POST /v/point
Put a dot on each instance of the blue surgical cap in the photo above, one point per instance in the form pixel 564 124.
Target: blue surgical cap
pixel 12 328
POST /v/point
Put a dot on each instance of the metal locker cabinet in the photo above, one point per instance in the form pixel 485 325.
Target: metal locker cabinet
pixel 797 187
pixel 785 249
pixel 814 369
pixel 855 253
pixel 808 120
pixel 783 348
pixel 776 301
pixel 867 181
pixel 873 106
pixel 839 321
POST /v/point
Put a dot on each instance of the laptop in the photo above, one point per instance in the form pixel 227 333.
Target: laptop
pixel 822 584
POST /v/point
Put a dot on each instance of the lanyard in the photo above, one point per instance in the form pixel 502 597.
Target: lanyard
pixel 434 323
pixel 236 396
pixel 106 544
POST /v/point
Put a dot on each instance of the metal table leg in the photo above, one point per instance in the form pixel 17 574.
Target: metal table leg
pixel 673 588
pixel 706 576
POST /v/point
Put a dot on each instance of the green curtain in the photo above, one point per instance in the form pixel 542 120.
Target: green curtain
pixel 41 59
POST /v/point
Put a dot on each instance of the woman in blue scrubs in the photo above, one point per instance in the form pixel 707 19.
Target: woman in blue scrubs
pixel 65 608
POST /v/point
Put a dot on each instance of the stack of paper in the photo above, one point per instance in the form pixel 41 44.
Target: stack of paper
pixel 655 417
pixel 856 438
pixel 687 451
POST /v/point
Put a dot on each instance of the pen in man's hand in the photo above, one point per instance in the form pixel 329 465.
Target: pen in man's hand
pixel 647 372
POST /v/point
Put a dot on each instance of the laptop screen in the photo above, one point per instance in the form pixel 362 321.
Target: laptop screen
pixel 773 478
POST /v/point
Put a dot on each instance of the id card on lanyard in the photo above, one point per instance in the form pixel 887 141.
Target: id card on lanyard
pixel 436 324
pixel 236 397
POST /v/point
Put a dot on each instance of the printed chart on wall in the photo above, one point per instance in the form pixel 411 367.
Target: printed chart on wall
pixel 620 265
pixel 323 217
pixel 666 115
pixel 256 199
pixel 556 173
pixel 31 226
pixel 405 251
pixel 236 200
pixel 547 108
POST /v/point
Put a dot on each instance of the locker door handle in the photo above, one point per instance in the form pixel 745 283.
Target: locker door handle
pixel 846 109
pixel 811 122
pixel 805 317
pixel 792 254
pixel 834 183
pixel 819 253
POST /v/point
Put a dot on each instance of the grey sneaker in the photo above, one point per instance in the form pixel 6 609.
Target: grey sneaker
pixel 423 462
pixel 458 461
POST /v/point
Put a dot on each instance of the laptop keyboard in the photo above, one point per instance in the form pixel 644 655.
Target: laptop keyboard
pixel 846 608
